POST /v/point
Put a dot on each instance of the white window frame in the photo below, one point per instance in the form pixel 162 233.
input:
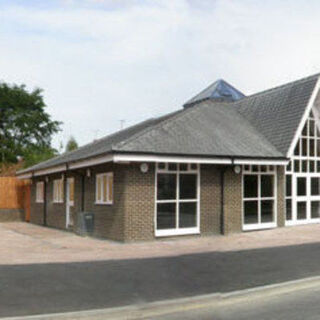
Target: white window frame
pixel 261 170
pixel 58 190
pixel 177 231
pixel 40 192
pixel 307 174
pixel 108 175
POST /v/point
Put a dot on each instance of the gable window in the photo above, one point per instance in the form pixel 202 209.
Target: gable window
pixel 303 176
pixel 40 192
pixel 58 191
pixel 104 188
pixel 177 199
pixel 259 197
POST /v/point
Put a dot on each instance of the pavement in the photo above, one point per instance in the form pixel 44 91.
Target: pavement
pixel 146 276
pixel 25 243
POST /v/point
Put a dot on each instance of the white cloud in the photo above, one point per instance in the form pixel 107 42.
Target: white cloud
pixel 102 61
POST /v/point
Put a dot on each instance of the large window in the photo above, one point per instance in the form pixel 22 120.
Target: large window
pixel 177 199
pixel 303 176
pixel 258 197
pixel 58 191
pixel 40 192
pixel 104 188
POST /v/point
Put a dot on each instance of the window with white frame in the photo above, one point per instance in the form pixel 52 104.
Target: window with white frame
pixel 104 188
pixel 58 190
pixel 303 175
pixel 177 199
pixel 259 195
pixel 40 192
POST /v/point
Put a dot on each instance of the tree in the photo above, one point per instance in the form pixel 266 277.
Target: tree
pixel 25 128
pixel 71 144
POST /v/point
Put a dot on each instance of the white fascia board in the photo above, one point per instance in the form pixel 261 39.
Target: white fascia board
pixel 304 118
pixel 90 162
pixel 50 170
pixel 261 162
pixel 24 176
pixel 158 158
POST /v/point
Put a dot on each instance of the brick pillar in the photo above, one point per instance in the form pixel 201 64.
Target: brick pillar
pixel 281 196
pixel 139 203
pixel 232 202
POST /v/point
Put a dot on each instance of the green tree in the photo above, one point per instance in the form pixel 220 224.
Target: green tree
pixel 71 144
pixel 25 128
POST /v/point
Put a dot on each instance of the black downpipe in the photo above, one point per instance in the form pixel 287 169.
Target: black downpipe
pixel 45 203
pixel 222 200
pixel 83 181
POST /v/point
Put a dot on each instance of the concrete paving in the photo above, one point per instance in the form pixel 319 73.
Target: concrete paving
pixel 23 243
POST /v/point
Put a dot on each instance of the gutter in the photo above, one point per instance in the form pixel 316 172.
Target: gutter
pixel 121 157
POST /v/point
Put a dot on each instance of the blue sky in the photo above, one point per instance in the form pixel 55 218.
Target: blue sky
pixel 101 61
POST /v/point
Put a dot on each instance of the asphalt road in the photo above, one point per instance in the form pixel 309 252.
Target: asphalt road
pixel 48 288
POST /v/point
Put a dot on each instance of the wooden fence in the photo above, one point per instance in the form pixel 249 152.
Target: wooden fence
pixel 15 194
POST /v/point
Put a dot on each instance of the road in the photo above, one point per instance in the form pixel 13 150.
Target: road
pixel 48 288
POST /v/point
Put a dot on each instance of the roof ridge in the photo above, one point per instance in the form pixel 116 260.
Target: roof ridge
pixel 278 87
pixel 175 115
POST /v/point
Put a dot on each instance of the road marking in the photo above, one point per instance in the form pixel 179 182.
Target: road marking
pixel 152 309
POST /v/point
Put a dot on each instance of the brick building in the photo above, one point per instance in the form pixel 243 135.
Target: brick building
pixel 224 163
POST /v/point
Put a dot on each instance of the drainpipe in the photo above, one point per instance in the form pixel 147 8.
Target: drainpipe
pixel 83 181
pixel 45 202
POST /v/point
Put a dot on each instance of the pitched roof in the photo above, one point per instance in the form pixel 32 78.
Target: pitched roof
pixel 276 113
pixel 210 128
pixel 219 90
pixel 258 126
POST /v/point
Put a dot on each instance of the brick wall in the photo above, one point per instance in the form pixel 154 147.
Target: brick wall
pixel 139 203
pixel 36 209
pixel 131 217
pixel 210 199
pixel 56 212
pixel 109 219
pixel 281 214
pixel 232 202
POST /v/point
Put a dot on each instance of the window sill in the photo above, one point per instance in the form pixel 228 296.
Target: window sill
pixel 58 202
pixel 301 222
pixel 176 232
pixel 103 203
pixel 260 226
pixel 40 202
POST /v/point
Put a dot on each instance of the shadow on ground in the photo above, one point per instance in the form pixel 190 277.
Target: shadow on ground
pixel 48 288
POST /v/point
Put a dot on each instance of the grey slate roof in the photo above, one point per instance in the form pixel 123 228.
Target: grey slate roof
pixel 276 113
pixel 258 126
pixel 219 90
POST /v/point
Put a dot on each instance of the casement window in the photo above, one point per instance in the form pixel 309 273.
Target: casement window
pixel 104 188
pixel 40 192
pixel 303 176
pixel 58 191
pixel 177 199
pixel 259 197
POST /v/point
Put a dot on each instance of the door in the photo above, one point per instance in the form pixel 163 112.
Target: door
pixel 70 203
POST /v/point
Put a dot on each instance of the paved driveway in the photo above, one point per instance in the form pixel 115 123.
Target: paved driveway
pixel 23 243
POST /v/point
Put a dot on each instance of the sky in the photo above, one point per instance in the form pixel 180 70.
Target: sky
pixel 103 61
